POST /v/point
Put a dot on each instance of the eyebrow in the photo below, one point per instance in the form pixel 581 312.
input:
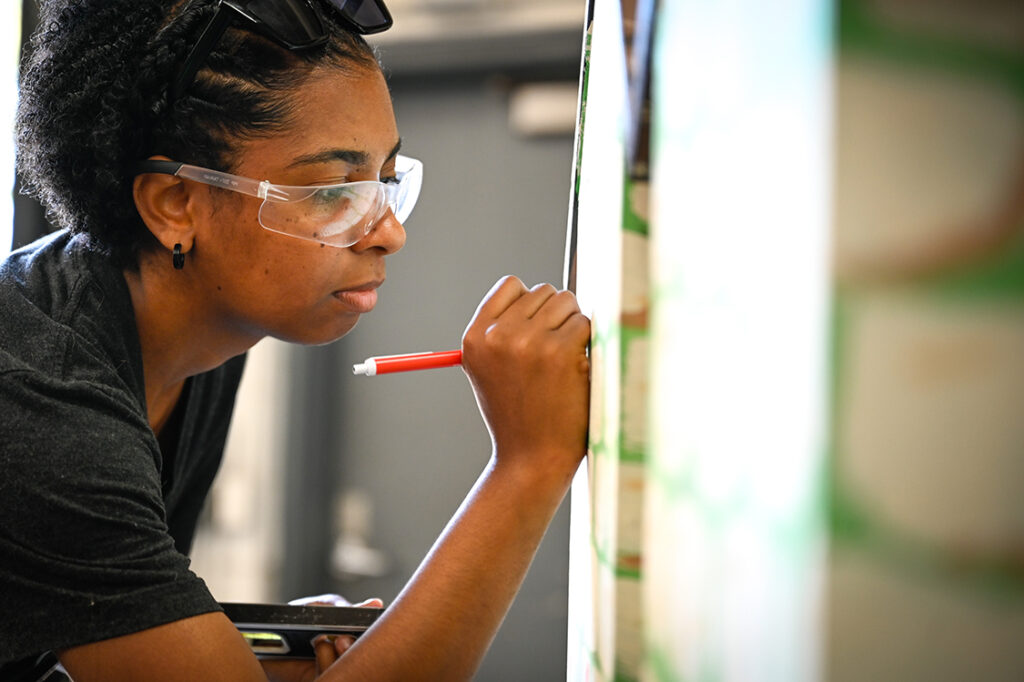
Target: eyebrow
pixel 352 157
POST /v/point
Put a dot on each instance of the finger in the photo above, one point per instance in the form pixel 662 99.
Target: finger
pixel 343 642
pixel 325 651
pixel 577 332
pixel 577 328
pixel 531 302
pixel 373 603
pixel 557 309
pixel 328 599
pixel 504 293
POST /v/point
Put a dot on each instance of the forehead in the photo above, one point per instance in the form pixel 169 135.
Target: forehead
pixel 333 109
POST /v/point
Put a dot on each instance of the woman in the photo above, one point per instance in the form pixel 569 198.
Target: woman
pixel 227 170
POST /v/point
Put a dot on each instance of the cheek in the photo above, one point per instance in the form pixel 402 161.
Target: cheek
pixel 231 229
pixel 241 246
pixel 292 274
pixel 283 271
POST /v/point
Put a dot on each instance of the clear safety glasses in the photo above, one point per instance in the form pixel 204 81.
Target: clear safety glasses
pixel 337 215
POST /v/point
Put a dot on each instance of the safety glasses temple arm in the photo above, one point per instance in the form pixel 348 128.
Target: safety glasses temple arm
pixel 235 183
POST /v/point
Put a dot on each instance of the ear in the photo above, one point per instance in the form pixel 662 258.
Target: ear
pixel 167 204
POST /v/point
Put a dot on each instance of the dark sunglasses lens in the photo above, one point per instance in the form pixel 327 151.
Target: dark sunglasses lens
pixel 368 16
pixel 292 22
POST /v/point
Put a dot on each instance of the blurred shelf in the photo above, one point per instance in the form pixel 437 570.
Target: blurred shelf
pixel 446 37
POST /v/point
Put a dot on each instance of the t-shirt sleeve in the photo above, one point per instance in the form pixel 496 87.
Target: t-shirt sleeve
pixel 85 552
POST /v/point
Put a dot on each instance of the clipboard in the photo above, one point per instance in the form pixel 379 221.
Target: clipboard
pixel 286 631
pixel 271 630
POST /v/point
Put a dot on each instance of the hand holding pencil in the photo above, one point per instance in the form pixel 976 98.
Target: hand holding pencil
pixel 525 352
pixel 525 355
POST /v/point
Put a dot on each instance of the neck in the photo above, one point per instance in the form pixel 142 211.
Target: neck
pixel 179 333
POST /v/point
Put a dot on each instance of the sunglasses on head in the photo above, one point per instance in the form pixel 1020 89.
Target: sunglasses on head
pixel 293 24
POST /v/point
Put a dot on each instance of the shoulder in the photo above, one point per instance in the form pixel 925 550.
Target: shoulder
pixel 42 272
pixel 70 375
pixel 65 312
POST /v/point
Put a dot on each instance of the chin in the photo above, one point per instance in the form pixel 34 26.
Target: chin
pixel 319 336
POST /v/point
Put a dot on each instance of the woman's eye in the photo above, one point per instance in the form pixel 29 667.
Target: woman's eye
pixel 393 180
pixel 329 196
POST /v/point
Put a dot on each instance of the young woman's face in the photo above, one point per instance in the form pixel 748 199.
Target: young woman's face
pixel 265 283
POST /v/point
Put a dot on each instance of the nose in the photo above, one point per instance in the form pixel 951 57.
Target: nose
pixel 387 234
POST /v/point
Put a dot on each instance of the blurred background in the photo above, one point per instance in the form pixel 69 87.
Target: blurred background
pixel 340 483
pixel 926 515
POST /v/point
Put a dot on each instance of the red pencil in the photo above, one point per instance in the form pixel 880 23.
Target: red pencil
pixel 385 364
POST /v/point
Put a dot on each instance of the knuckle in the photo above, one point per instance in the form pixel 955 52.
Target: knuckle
pixel 473 345
pixel 522 346
pixel 553 354
pixel 568 299
pixel 580 321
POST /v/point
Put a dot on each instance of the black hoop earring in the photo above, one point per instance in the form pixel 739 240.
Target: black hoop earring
pixel 178 258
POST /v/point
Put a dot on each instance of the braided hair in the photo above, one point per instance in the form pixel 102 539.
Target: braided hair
pixel 94 101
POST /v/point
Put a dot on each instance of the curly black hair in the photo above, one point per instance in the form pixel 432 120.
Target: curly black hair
pixel 94 101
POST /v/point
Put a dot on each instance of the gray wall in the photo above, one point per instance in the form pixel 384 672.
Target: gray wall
pixel 492 204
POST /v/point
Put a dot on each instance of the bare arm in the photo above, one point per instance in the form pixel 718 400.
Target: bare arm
pixel 524 353
pixel 206 647
pixel 445 618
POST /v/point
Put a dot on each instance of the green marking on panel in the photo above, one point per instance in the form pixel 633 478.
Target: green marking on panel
pixel 603 557
pixel 675 484
pixel 632 456
pixel 669 288
pixel 993 575
pixel 628 572
pixel 601 339
pixel 995 276
pixel 592 656
pixel 859 31
pixel 795 533
pixel 791 533
pixel 629 334
pixel 660 665
pixel 1001 276
pixel 604 332
pixel 595 661
pixel 621 676
pixel 709 670
pixel 631 221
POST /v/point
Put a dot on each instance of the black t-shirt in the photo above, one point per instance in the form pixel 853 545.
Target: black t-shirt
pixel 95 524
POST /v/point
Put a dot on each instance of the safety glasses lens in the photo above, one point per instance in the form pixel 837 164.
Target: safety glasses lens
pixel 339 215
pixel 402 197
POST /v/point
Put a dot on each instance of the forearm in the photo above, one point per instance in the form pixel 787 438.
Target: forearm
pixel 443 621
pixel 525 355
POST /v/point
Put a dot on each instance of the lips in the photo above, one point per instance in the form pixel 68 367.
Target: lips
pixel 360 299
